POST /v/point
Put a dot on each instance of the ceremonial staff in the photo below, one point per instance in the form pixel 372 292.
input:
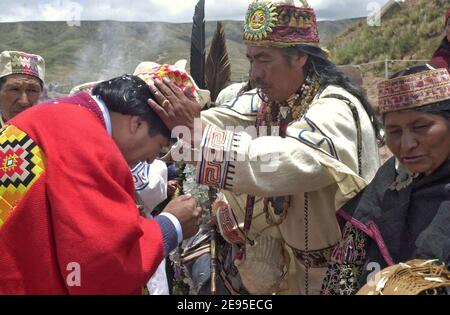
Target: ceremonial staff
pixel 197 67
pixel 214 74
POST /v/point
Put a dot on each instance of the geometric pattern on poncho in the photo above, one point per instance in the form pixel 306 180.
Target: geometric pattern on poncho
pixel 22 163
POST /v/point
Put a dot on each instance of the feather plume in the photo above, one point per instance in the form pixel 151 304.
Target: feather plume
pixel 218 68
pixel 197 65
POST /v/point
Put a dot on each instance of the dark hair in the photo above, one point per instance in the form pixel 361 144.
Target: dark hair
pixel 128 95
pixel 440 108
pixel 2 81
pixel 329 74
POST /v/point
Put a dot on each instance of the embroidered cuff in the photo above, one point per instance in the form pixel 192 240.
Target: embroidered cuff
pixel 218 150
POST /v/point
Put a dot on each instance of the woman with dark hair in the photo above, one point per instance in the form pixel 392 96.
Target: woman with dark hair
pixel 404 214
pixel 441 58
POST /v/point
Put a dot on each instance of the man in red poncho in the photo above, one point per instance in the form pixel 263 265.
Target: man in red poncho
pixel 68 220
pixel 441 58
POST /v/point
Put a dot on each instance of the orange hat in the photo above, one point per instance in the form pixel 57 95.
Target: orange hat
pixel 149 71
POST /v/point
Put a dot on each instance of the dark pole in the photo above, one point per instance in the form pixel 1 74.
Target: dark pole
pixel 198 45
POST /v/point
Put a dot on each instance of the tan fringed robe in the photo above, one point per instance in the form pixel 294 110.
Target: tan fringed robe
pixel 319 157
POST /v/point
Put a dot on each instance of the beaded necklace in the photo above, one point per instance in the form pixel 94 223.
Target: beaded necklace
pixel 280 114
pixel 294 107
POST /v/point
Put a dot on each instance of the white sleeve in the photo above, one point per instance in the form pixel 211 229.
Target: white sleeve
pixel 150 182
pixel 274 166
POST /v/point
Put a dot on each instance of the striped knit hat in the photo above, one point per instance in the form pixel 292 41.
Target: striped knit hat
pixel 149 71
pixel 16 62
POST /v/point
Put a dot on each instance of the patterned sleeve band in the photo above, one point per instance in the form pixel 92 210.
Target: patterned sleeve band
pixel 219 150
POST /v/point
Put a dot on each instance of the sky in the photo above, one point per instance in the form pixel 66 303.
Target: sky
pixel 163 10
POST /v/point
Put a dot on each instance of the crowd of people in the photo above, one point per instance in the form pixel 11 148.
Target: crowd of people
pixel 306 206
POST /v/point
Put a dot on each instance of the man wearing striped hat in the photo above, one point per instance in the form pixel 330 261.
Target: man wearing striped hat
pixel 21 82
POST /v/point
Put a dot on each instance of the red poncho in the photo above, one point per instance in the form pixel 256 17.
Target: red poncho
pixel 66 200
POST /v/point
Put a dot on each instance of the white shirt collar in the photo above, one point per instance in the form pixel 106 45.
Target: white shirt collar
pixel 105 113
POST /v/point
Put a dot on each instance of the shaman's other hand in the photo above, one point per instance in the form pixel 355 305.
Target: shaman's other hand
pixel 186 211
pixel 173 106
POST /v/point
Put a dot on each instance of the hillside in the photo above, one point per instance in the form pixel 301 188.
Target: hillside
pixel 412 31
pixel 103 49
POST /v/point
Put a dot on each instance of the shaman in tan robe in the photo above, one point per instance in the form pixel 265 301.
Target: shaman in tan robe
pixel 318 160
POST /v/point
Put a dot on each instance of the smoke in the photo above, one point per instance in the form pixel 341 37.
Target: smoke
pixel 116 48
